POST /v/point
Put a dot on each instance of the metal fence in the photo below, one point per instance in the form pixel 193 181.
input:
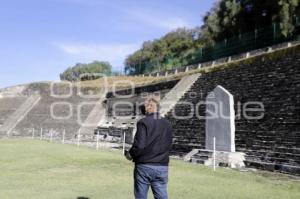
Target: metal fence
pixel 257 39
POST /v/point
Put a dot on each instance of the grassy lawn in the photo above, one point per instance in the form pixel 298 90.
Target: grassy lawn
pixel 32 169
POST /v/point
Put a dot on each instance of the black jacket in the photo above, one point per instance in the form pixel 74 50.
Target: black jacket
pixel 152 141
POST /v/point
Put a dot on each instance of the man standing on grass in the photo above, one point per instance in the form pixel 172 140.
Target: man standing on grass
pixel 150 153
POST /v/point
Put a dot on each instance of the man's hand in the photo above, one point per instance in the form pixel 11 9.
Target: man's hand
pixel 127 155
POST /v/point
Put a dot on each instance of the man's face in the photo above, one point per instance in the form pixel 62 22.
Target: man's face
pixel 150 106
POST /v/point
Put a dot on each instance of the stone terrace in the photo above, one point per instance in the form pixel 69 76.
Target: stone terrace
pixel 271 143
pixel 9 105
pixel 40 116
pixel 135 97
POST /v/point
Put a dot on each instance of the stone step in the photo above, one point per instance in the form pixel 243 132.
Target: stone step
pixel 182 140
pixel 197 161
pixel 205 152
pixel 190 137
pixel 285 168
pixel 283 150
pixel 20 113
pixel 177 153
pixel 177 92
pixel 272 156
pixel 189 144
pixel 201 157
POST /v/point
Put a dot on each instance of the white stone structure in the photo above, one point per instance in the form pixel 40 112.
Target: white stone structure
pixel 220 120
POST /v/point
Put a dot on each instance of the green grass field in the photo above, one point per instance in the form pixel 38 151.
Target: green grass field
pixel 33 169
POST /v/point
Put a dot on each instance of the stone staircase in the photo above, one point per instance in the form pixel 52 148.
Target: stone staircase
pixel 114 134
pixel 177 92
pixel 199 156
pixel 19 114
pixel 273 166
pixel 96 116
pixel 222 158
pixel 8 105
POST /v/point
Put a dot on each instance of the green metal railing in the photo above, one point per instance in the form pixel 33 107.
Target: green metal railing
pixel 257 39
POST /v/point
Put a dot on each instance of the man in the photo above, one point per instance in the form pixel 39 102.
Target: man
pixel 150 152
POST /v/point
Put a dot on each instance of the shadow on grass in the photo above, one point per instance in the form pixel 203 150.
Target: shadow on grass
pixel 81 197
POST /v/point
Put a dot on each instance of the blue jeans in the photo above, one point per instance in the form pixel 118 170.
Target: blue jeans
pixel 154 176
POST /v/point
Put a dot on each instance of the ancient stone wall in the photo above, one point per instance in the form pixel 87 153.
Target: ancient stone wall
pixel 272 142
pixel 125 102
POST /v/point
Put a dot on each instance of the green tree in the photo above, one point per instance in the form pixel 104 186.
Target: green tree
pixel 226 19
pixel 173 49
pixel 229 18
pixel 287 15
pixel 86 71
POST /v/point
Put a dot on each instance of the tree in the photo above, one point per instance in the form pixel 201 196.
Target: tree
pixel 169 51
pixel 287 15
pixel 227 19
pixel 86 71
pixel 232 17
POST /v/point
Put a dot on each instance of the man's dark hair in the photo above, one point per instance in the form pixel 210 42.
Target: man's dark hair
pixel 142 109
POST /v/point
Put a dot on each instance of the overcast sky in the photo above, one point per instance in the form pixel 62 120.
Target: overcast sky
pixel 39 39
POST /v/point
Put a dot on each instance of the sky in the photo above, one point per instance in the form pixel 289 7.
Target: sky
pixel 39 39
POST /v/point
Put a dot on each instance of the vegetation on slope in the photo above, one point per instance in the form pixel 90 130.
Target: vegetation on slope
pixel 86 71
pixel 227 19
